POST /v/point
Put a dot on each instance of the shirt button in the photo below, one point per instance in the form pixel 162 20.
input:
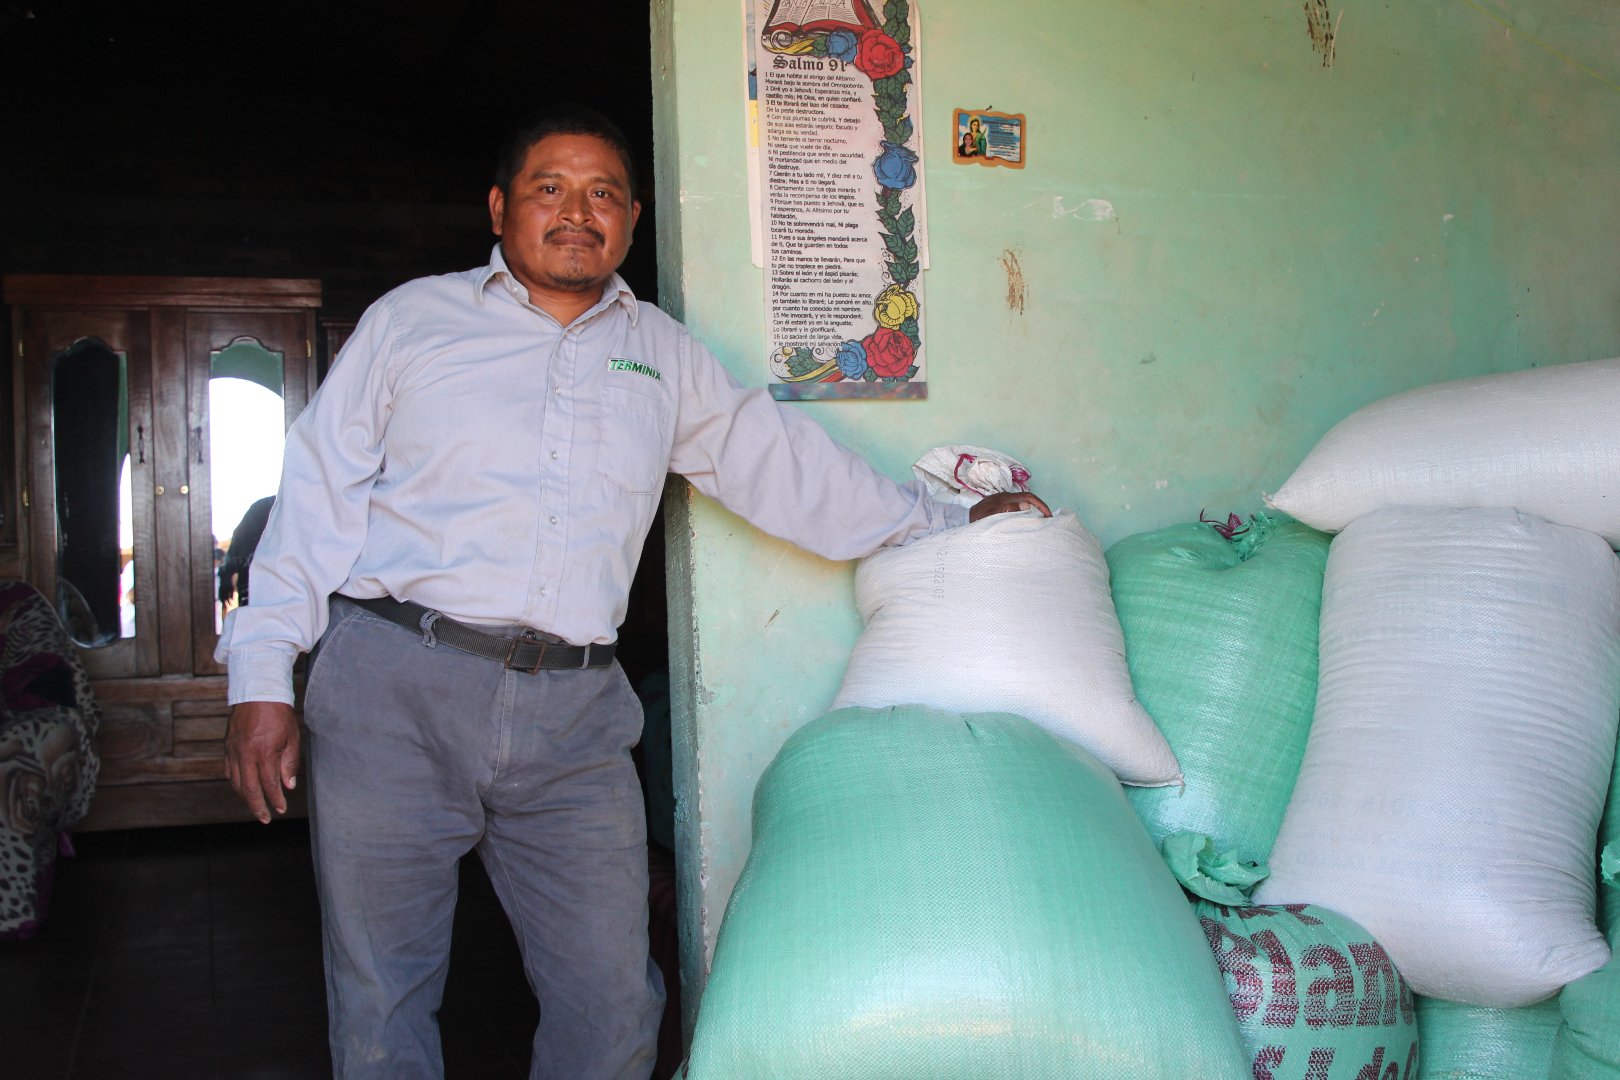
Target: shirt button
pixel 557 390
pixel 554 455
pixel 554 519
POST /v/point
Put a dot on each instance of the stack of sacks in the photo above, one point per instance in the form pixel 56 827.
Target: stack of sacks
pixel 1588 1042
pixel 1009 614
pixel 1220 631
pixel 951 897
pixel 938 887
pixel 1464 733
pixel 1470 681
pixel 1220 635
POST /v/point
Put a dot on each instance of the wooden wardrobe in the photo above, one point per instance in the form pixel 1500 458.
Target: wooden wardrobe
pixel 148 411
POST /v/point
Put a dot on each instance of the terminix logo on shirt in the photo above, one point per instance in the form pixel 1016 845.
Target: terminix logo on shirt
pixel 635 367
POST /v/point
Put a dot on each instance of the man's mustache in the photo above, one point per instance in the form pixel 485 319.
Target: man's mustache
pixel 552 234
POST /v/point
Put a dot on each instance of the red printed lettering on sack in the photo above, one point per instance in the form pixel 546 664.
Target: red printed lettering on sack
pixel 1330 1001
pixel 1339 986
pixel 1268 1058
pixel 1282 1010
pixel 1319 1067
pixel 1377 1070
pixel 1234 955
pixel 1385 996
pixel 1320 1064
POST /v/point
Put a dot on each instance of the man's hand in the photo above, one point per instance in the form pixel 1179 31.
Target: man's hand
pixel 1007 502
pixel 261 755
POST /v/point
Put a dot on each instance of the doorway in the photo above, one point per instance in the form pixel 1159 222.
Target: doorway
pixel 352 144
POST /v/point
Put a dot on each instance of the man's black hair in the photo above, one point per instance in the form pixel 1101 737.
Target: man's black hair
pixel 560 120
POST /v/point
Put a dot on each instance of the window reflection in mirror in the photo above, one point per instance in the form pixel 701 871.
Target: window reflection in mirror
pixel 247 432
pixel 94 550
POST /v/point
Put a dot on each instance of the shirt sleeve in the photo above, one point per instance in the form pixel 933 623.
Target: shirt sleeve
pixel 783 473
pixel 333 455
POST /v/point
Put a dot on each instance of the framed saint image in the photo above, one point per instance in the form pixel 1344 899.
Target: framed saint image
pixel 986 137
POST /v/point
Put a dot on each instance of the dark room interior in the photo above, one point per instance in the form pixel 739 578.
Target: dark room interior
pixel 351 144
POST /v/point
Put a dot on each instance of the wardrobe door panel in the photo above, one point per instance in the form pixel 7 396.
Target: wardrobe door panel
pixel 247 375
pixel 90 482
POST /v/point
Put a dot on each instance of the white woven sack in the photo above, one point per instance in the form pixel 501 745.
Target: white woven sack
pixel 1009 614
pixel 1544 441
pixel 1459 757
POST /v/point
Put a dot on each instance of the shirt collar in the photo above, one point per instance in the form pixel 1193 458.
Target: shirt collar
pixel 615 292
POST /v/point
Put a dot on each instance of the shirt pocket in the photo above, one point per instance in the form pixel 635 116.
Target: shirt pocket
pixel 634 452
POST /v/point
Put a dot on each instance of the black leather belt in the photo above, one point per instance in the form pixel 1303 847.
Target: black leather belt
pixel 529 651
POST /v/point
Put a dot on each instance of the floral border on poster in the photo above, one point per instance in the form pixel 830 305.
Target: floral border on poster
pixel 887 355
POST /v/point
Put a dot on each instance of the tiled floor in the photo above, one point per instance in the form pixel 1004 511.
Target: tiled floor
pixel 194 953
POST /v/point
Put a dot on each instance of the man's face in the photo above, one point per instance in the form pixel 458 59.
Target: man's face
pixel 566 221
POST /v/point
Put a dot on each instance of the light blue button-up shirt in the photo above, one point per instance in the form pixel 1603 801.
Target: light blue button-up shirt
pixel 471 454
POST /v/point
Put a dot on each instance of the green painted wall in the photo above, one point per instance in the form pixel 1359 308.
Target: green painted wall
pixel 1223 247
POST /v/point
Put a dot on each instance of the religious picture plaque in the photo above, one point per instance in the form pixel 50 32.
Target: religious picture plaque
pixel 983 137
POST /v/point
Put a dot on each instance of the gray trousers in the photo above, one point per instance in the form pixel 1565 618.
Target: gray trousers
pixel 419 755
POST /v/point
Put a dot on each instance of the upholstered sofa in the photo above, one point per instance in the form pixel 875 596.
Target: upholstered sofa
pixel 48 760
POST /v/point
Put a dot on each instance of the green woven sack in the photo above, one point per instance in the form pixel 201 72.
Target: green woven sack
pixel 1315 996
pixel 940 897
pixel 1588 1042
pixel 1470 1042
pixel 1221 640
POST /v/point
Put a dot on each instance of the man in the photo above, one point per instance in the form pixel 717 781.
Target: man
pixel 461 509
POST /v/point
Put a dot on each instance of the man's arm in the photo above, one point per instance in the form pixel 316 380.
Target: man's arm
pixel 780 470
